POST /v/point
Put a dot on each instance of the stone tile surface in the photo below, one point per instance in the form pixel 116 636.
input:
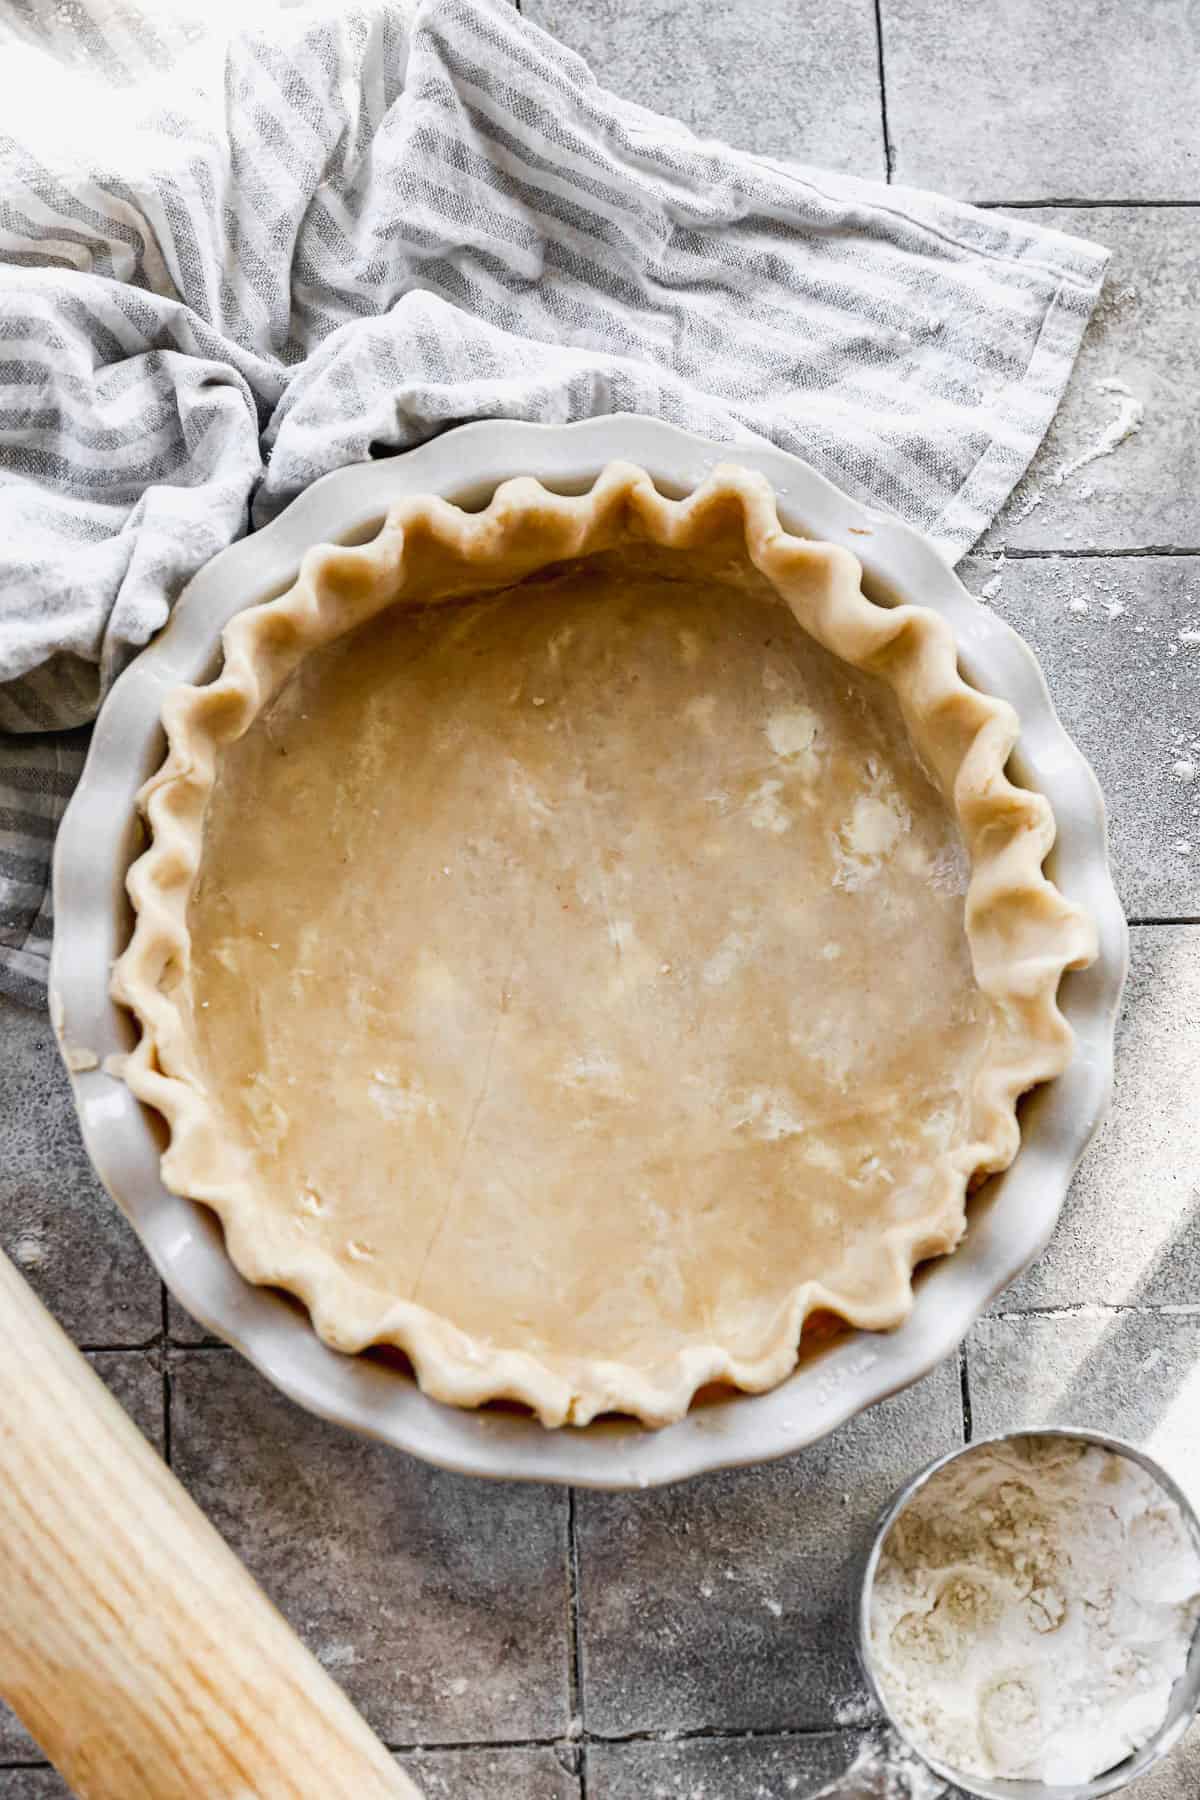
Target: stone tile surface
pixel 1112 637
pixel 493 1774
pixel 715 1769
pixel 1144 333
pixel 1044 99
pixel 32 1784
pixel 485 1774
pixel 439 1603
pixel 183 1329
pixel 1130 1230
pixel 473 1774
pixel 724 1602
pixel 56 1221
pixel 800 82
pixel 1134 1374
pixel 136 1380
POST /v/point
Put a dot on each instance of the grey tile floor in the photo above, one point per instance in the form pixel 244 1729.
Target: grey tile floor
pixel 525 1644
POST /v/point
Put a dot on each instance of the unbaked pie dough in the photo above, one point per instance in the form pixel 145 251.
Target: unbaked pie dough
pixel 581 940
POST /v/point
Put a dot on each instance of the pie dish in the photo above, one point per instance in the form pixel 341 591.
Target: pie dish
pixel 1010 1218
pixel 583 941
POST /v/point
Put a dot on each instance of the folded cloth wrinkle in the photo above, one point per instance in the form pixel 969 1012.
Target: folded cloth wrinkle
pixel 232 260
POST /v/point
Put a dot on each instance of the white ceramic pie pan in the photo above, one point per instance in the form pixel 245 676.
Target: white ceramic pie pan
pixel 1011 1218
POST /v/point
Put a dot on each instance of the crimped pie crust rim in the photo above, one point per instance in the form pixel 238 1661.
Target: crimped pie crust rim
pixel 965 734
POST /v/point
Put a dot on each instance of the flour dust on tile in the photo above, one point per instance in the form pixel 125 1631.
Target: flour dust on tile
pixel 1126 421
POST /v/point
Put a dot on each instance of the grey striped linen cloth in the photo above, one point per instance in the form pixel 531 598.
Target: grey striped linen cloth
pixel 232 262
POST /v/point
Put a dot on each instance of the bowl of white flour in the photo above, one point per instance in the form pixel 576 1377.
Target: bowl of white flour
pixel 1029 1615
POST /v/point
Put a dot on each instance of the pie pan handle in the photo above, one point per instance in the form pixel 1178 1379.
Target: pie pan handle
pixel 133 1644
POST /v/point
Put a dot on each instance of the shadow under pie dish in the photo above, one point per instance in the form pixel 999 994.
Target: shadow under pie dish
pixel 581 940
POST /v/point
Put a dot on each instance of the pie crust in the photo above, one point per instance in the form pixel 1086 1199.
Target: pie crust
pixel 581 940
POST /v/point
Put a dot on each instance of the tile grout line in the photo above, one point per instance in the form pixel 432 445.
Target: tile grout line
pixel 1089 205
pixel 1075 1309
pixel 889 153
pixel 726 1734
pixel 430 1746
pixel 720 1734
pixel 701 1733
pixel 574 1649
pixel 964 1389
pixel 166 1373
pixel 1074 554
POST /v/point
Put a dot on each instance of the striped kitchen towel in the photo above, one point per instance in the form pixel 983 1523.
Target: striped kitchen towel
pixel 231 263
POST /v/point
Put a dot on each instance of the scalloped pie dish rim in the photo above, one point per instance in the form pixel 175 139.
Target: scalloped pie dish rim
pixel 967 730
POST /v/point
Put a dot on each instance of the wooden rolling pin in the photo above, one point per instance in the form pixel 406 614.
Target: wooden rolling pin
pixel 133 1644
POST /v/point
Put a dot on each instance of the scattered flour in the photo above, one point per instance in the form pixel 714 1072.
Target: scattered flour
pixel 855 1710
pixel 995 580
pixel 1096 590
pixel 1028 507
pixel 885 1769
pixel 30 1250
pixel 1032 1609
pixel 1124 424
